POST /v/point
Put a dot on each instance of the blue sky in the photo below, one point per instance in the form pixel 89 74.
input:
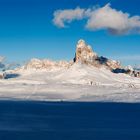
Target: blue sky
pixel 27 31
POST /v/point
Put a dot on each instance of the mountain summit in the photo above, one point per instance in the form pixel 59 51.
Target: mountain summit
pixel 85 55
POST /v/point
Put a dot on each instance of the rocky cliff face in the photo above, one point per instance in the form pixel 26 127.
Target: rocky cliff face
pixel 85 55
pixel 45 64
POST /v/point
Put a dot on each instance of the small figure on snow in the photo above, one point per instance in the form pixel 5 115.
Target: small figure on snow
pixel 91 83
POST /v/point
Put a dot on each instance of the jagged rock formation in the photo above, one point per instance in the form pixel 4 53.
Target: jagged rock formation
pixel 84 54
pixel 110 64
pixel 45 64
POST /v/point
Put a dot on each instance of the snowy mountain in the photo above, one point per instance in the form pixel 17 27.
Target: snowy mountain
pixel 84 55
pixel 88 77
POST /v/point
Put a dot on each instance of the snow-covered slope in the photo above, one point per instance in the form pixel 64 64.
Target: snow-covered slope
pixel 81 80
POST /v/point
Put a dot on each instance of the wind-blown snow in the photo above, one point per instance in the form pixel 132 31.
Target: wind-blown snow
pixel 71 84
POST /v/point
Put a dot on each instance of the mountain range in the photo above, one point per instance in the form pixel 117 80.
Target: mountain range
pixel 88 77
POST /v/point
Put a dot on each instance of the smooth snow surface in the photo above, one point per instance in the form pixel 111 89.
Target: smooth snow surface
pixel 76 83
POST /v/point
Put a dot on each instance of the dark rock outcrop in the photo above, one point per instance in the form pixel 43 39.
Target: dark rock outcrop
pixel 84 54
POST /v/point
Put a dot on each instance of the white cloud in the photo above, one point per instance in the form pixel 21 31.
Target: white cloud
pixel 61 16
pixel 114 21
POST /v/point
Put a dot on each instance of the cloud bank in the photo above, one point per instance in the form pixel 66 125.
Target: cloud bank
pixel 101 18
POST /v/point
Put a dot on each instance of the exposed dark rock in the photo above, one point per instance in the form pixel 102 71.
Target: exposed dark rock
pixel 85 54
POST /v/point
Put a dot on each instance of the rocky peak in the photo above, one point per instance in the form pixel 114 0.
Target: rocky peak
pixel 81 44
pixel 84 52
